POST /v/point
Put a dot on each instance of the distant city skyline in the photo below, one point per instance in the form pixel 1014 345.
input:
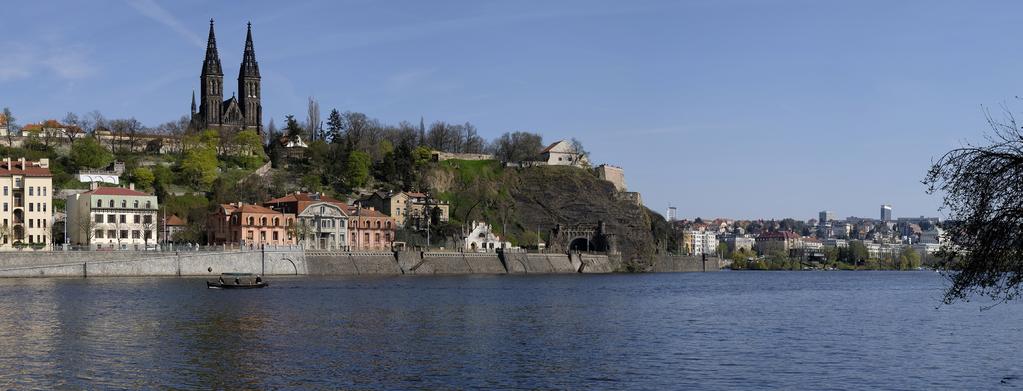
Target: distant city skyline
pixel 737 109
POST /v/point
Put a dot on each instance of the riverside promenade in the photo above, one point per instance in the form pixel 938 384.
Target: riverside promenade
pixel 297 261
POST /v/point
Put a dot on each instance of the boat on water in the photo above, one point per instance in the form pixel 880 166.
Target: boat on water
pixel 237 281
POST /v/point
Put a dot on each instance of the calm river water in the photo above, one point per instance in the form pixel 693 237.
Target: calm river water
pixel 728 330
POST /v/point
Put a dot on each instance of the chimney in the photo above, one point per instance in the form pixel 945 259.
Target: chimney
pixel 131 186
pixel 93 185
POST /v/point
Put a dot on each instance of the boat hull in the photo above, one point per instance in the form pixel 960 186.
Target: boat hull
pixel 217 285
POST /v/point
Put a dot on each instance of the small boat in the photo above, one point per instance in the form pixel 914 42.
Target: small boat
pixel 237 281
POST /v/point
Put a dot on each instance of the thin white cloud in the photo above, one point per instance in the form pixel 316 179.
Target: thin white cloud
pixel 67 62
pixel 150 9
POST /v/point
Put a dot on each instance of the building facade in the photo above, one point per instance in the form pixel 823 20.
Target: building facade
pixel 368 228
pixel 250 225
pixel 244 112
pixel 408 209
pixel 112 218
pixel 481 238
pixel 699 242
pixel 26 197
pixel 323 226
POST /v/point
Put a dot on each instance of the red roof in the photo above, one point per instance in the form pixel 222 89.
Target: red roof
pixel 174 220
pixel 778 235
pixel 303 197
pixel 248 208
pixel 116 191
pixel 15 168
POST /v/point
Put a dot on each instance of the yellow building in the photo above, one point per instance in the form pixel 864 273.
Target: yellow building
pixel 26 204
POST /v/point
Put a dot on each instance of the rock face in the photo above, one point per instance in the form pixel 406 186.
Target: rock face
pixel 522 201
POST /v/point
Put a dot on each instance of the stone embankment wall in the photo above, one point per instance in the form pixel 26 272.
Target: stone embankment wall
pixel 672 263
pixel 298 262
pixel 125 263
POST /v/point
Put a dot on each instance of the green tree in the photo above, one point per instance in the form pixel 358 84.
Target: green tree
pixel 356 172
pixel 199 165
pixel 143 177
pixel 87 152
pixel 908 259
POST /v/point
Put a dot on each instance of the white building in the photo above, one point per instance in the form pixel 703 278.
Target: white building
pixel 26 198
pixel 699 242
pixel 561 153
pixel 112 218
pixel 323 226
pixel 481 238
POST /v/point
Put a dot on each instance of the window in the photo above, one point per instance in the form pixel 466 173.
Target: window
pixel 147 219
pixel 376 237
pixel 30 207
pixel 124 219
pixel 277 221
pixel 388 225
pixel 252 221
pixel 30 221
pixel 262 221
pixel 124 234
pixel 248 235
pixel 124 203
pixel 149 234
pixel 378 224
pixel 149 204
pixel 136 204
pixel 135 234
pixel 44 190
pixel 111 234
pixel 99 203
pixel 262 236
pixel 5 206
pixel 98 234
pixel 138 219
pixel 111 203
pixel 44 222
pixel 99 218
pixel 31 191
pixel 5 190
pixel 44 207
pixel 111 219
pixel 275 235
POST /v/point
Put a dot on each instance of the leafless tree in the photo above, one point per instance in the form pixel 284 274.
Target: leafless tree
pixel 517 146
pixel 72 127
pixel 982 188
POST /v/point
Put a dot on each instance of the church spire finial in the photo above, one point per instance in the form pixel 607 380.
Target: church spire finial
pixel 193 102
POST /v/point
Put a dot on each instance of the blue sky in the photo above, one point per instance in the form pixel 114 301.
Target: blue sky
pixel 721 108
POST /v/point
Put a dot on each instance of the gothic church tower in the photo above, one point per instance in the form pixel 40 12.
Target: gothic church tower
pixel 244 112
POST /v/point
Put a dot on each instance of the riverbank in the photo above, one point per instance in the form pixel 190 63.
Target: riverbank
pixel 322 263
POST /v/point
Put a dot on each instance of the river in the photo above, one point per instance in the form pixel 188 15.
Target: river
pixel 728 330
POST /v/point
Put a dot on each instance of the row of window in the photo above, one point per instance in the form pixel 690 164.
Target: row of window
pixel 35 223
pixel 124 204
pixel 376 238
pixel 250 236
pixel 31 239
pixel 147 219
pixel 32 190
pixel 113 234
pixel 32 207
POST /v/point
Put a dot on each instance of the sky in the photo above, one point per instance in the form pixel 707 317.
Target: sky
pixel 723 108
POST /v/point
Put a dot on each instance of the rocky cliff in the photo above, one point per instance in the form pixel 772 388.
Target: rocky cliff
pixel 520 202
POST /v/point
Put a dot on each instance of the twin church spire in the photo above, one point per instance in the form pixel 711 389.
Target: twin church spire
pixel 243 112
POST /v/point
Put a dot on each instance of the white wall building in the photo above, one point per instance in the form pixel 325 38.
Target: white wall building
pixel 323 226
pixel 481 238
pixel 561 153
pixel 112 218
